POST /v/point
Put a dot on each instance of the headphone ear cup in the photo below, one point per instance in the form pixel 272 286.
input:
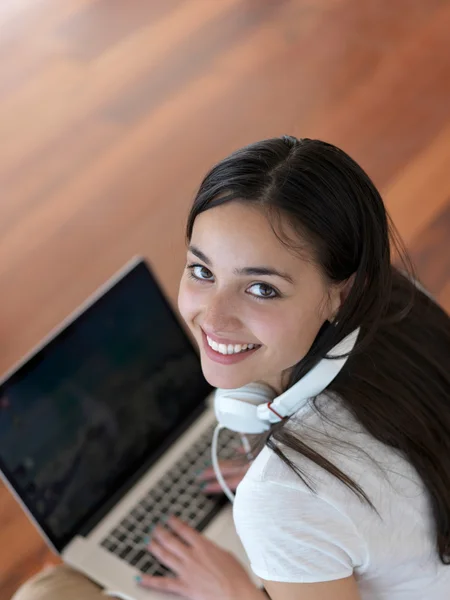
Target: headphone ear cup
pixel 239 416
pixel 236 409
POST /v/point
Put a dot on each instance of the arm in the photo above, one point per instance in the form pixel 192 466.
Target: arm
pixel 340 589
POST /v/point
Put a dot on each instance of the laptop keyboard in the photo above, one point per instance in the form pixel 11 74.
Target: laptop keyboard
pixel 176 493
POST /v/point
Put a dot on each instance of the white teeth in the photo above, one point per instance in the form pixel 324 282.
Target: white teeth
pixel 229 348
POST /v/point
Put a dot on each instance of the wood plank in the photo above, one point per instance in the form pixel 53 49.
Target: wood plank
pixel 431 248
pixel 420 190
pixel 103 79
pixel 99 25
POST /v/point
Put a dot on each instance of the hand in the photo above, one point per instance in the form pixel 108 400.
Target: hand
pixel 233 472
pixel 202 569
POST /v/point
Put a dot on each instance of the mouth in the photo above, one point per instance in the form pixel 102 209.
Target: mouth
pixel 227 353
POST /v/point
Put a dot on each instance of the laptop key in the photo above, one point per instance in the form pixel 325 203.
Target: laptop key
pixel 147 566
pixel 139 556
pixel 126 551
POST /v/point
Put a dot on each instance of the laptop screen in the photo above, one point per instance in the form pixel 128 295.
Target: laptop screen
pixel 97 403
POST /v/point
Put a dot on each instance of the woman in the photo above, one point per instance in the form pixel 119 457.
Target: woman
pixel 349 499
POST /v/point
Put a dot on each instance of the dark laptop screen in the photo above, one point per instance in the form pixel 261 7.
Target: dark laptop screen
pixel 97 403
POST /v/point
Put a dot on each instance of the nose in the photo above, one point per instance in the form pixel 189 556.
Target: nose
pixel 221 314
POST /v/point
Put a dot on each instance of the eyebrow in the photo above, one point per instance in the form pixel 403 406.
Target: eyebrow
pixel 245 270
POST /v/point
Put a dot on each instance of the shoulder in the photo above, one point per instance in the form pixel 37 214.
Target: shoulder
pixel 329 428
pixel 292 535
pixel 290 532
pixel 304 524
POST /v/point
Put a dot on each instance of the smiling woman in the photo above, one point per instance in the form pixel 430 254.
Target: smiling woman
pixel 289 253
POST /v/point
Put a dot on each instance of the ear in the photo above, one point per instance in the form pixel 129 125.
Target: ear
pixel 339 295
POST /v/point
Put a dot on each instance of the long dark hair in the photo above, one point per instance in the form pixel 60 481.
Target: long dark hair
pixel 397 380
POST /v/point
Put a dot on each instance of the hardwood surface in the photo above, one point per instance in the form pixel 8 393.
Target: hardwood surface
pixel 111 112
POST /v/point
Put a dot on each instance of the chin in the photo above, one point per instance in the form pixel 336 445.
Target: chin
pixel 224 380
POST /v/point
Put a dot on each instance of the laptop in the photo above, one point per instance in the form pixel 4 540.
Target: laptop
pixel 103 429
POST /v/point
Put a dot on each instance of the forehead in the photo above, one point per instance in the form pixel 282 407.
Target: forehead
pixel 243 235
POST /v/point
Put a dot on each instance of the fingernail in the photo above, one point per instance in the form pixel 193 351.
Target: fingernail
pixel 203 485
pixel 164 519
pixel 146 540
pixel 138 578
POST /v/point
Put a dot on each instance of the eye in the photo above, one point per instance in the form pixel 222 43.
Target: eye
pixel 199 273
pixel 265 291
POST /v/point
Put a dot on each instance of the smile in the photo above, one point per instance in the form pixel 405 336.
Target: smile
pixel 229 348
pixel 227 354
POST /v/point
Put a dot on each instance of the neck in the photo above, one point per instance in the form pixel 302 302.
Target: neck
pixel 278 382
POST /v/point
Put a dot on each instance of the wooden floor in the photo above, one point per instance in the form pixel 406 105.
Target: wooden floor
pixel 111 111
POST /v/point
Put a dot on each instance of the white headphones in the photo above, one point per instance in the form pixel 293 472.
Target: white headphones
pixel 254 408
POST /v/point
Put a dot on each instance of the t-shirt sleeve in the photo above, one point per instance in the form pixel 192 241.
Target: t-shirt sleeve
pixel 292 535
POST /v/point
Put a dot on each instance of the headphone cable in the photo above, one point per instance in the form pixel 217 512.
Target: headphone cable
pixel 215 460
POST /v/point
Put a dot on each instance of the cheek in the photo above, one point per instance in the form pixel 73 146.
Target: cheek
pixel 289 335
pixel 273 329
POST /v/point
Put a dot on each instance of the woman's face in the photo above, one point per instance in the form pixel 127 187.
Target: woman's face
pixel 253 305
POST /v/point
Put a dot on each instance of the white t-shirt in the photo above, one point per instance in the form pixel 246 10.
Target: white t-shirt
pixel 293 535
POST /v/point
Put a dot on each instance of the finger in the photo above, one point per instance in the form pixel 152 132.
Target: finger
pixel 224 465
pixel 183 531
pixel 169 542
pixel 165 555
pixel 243 452
pixel 226 468
pixel 165 584
pixel 215 487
